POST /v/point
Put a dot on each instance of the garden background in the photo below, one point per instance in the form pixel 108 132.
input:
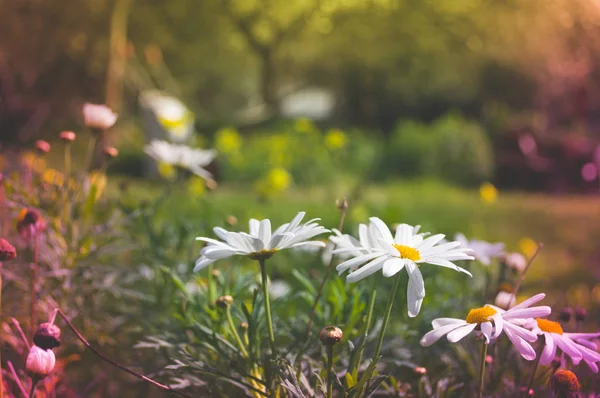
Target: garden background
pixel 473 116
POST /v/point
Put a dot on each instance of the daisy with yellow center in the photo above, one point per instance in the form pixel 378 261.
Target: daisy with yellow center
pixel 576 346
pixel 376 249
pixel 169 157
pixel 489 322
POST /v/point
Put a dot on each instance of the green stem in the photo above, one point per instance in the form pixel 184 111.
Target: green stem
pixel 367 326
pixel 330 371
pixel 34 278
pixel 484 347
pixel 66 182
pixel 212 294
pixel 386 319
pixel 235 332
pixel 263 275
pixel 535 366
pixel 89 156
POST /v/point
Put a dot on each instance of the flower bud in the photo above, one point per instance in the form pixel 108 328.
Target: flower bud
pixel 504 300
pixel 244 325
pixel 529 393
pixel 341 204
pixel 232 220
pixel 111 152
pixel 99 117
pixel 566 314
pixel 420 370
pixel 216 273
pixel 42 146
pixel 224 301
pixel 515 261
pixel 211 184
pixel 67 136
pixel 330 335
pixel 47 336
pixel 580 314
pixel 564 384
pixel 40 362
pixel 7 251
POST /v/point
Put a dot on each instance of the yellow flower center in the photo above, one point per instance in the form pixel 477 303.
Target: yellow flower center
pixel 549 326
pixel 409 253
pixel 264 254
pixel 480 315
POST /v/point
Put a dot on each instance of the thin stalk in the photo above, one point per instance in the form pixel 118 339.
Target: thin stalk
pixel 66 182
pixel 330 371
pixel 327 273
pixel 34 278
pixel 212 294
pixel 115 364
pixel 263 275
pixel 535 366
pixel 522 276
pixel 17 326
pixel 235 332
pixel 89 155
pixel 16 379
pixel 33 385
pixel 367 326
pixel 388 312
pixel 484 347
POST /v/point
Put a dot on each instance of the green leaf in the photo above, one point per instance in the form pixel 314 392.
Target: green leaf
pixel 305 282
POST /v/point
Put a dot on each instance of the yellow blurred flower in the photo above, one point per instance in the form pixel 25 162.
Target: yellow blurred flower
pixel 359 213
pixel 196 186
pixel 228 140
pixel 53 176
pixel 335 139
pixel 488 193
pixel 279 179
pixel 33 162
pixel 528 246
pixel 304 125
pixel 166 170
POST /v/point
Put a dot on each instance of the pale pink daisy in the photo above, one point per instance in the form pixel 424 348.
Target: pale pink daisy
pixel 489 322
pixel 576 346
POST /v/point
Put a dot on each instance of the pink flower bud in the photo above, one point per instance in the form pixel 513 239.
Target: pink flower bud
pixel 99 117
pixel 111 152
pixel 42 146
pixel 67 136
pixel 40 362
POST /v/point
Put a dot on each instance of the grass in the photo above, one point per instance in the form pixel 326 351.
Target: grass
pixel 569 226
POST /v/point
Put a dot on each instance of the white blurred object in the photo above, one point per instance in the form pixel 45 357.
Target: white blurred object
pixel 174 118
pixel 483 251
pixel 279 288
pixel 314 103
pixel 98 116
pixel 504 300
pixel 515 261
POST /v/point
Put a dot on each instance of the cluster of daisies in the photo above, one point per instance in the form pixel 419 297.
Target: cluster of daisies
pixel 376 248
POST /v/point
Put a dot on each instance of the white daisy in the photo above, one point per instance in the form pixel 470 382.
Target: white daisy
pixel 483 251
pixel 183 156
pixel 576 346
pixel 260 243
pixel 490 321
pixel 377 250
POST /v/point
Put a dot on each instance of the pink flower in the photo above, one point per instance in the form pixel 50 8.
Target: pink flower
pixel 576 346
pixel 489 322
pixel 40 362
pixel 98 116
pixel 67 136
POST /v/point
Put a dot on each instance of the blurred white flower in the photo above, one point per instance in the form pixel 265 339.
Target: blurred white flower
pixel 515 261
pixel 377 250
pixel 172 114
pixel 504 300
pixel 183 156
pixel 260 243
pixel 39 362
pixel 483 251
pixel 98 116
pixel 279 288
pixel 489 322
